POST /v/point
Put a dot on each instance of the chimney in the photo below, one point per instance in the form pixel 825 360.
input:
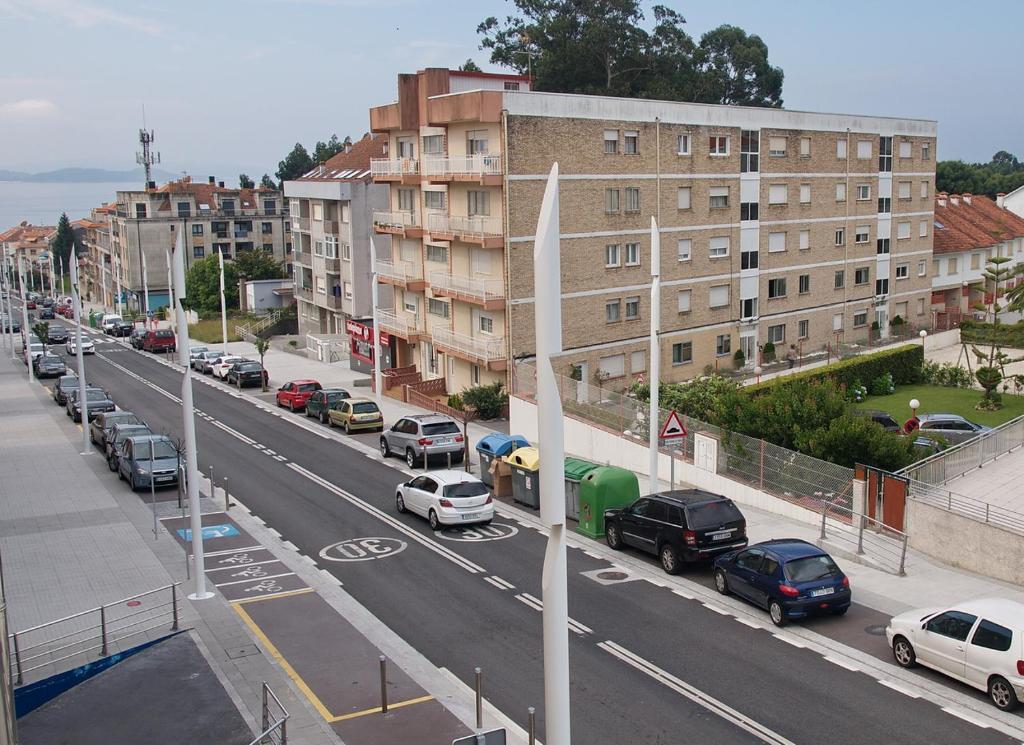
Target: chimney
pixel 151 185
pixel 220 184
pixel 967 198
pixel 1001 200
pixel 213 181
pixel 954 199
pixel 942 199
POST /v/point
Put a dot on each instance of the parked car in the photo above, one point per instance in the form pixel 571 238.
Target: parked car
pixel 122 328
pixel 120 432
pixel 97 400
pixel 34 351
pixel 108 321
pixel 101 426
pixel 352 414
pixel 320 402
pixel 681 526
pixel 49 366
pixel 64 384
pixel 979 642
pixel 222 364
pixel 295 393
pixel 137 336
pixel 245 374
pixel 159 340
pixel 194 352
pixel 424 435
pixel 12 325
pixel 47 314
pixel 47 302
pixel 446 498
pixel 30 304
pixel 200 361
pixel 148 461
pixel 952 427
pixel 790 578
pixel 87 346
pixel 56 334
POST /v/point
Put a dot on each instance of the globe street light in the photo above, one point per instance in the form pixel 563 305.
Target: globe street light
pixel 922 333
pixel 757 372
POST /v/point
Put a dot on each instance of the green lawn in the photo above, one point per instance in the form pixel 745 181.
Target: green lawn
pixel 209 329
pixel 940 399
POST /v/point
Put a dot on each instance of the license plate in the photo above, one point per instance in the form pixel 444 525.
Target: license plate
pixel 721 536
pixel 822 591
pixel 471 516
pixel 164 478
pixel 442 440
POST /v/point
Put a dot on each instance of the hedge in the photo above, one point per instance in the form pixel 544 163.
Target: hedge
pixel 903 362
pixel 979 332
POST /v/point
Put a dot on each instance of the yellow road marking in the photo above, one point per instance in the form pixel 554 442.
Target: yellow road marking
pixel 290 593
pixel 376 709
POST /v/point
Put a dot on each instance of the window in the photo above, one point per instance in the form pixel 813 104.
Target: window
pixel 683 248
pixel 862 275
pixel 776 242
pixel 905 149
pixel 952 266
pixel 478 203
pixel 840 192
pixel 437 307
pixel 903 189
pixel 611 201
pixel 924 190
pixel 198 252
pixel 184 209
pixel 953 624
pixel 902 271
pixel 718 247
pixel 346 252
pixel 611 141
pixel 882 286
pixel 975 261
pixel 992 636
pixel 613 366
pixel 632 308
pixel 683 301
pixel 140 211
pixel 718 296
pixel 860 318
pixel 778 194
pixel 901 310
pixel 748 210
pixel 923 229
pixel 841 237
pixel 902 230
pixel 922 269
pixel 683 198
pixel 750 147
pixel 612 257
pixel 612 311
pixel 682 353
pixel 749 259
pixel 777 334
pixel 270 206
pixel 882 246
pixel 477 142
pixel 861 234
pixel 885 154
pixel 266 228
pixel 486 324
pixel 331 247
pixel 718 145
pixel 197 229
pixel 410 304
pixel 318 248
pixel 433 145
pixel 318 209
pixel 884 205
pixel 803 329
pixel 805 193
pixel 348 290
pixel 840 279
pixel 863 149
pixel 406 203
pixel 632 199
pixel 837 322
pixel 926 151
pixel 318 285
pixel 437 254
pixel 632 254
pixel 936 268
pixel 777 147
pixel 748 307
pixel 406 147
pixel 805 147
pixel 433 200
pixel 920 306
pixel 631 143
pixel 805 240
pixel 841 147
pixel 776 288
pixel 723 344
pixel 718 197
pixel 804 284
pixel 863 192
pixel 683 144
pixel 637 361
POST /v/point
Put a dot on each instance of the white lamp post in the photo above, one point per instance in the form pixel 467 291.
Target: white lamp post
pixel 145 289
pixel 923 334
pixel 655 355
pixel 170 296
pixel 223 304
pixel 76 300
pixel 24 315
pixel 378 375
pixel 757 371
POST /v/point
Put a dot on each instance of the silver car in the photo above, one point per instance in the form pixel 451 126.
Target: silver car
pixel 953 427
pixel 419 435
pixel 203 362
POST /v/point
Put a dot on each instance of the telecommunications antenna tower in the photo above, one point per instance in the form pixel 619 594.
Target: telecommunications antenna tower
pixel 148 156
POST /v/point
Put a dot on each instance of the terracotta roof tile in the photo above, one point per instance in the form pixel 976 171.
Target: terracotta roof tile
pixel 355 162
pixel 26 233
pixel 980 224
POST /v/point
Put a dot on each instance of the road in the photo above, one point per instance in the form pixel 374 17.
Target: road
pixel 648 664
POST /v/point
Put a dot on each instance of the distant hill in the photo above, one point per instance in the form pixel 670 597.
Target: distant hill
pixel 83 175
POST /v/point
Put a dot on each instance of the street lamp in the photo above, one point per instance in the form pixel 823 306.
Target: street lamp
pixel 923 333
pixel 914 406
pixel 757 372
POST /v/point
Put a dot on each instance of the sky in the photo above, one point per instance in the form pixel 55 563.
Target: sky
pixel 230 85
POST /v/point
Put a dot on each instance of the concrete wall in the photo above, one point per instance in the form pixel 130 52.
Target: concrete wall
pixel 965 543
pixel 941 340
pixel 592 443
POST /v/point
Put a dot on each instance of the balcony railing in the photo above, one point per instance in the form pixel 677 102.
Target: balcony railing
pixel 397 325
pixel 306 293
pixel 332 265
pixel 330 227
pixel 386 168
pixel 300 223
pixel 395 221
pixel 481 164
pixel 484 290
pixel 482 348
pixel 400 271
pixel 467 228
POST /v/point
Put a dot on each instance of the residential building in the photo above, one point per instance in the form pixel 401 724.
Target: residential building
pixel 92 242
pixel 1013 201
pixel 970 230
pixel 331 219
pixel 213 218
pixel 781 226
pixel 32 244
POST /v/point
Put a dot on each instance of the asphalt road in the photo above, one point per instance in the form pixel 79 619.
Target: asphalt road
pixel 644 660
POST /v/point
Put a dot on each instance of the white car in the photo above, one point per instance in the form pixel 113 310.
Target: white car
pixel 221 365
pixel 87 346
pixel 108 322
pixel 446 498
pixel 978 642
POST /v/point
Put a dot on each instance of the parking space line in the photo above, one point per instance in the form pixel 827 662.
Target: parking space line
pixel 898 688
pixel 490 581
pixel 507 585
pixel 377 709
pixel 254 579
pixel 243 566
pixel 288 594
pixel 959 713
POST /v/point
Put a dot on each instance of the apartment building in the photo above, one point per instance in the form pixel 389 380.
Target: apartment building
pixel 30 243
pixel 331 220
pixel 92 243
pixel 213 218
pixel 790 227
pixel 970 230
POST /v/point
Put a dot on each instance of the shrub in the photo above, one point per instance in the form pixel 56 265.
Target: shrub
pixel 883 385
pixel 768 352
pixel 857 392
pixel 739 359
pixel 700 398
pixel 946 374
pixel 980 332
pixel 455 401
pixel 488 401
pixel 903 362
pixel 850 439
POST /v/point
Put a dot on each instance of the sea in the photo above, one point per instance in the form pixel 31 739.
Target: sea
pixel 42 204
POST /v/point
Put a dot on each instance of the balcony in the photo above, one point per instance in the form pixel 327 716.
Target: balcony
pixel 481 167
pixel 404 274
pixel 488 293
pixel 332 266
pixel 334 302
pixel 481 350
pixel 400 170
pixel 330 227
pixel 398 326
pixel 483 231
pixel 406 224
pixel 305 293
pixel 300 223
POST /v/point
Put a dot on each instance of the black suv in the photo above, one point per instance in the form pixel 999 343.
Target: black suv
pixel 685 525
pixel 882 418
pixel 137 336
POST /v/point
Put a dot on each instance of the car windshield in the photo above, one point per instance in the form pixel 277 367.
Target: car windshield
pixel 309 387
pixel 95 396
pixel 160 448
pixel 119 418
pixel 125 432
pixel 164 334
pixel 466 489
pixel 441 428
pixel 368 407
pixel 36 347
pixel 249 367
pixel 68 383
pixel 810 568
pixel 51 359
pixel 337 396
pixel 712 514
pixel 212 354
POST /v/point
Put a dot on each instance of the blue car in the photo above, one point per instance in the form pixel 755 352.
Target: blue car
pixel 788 577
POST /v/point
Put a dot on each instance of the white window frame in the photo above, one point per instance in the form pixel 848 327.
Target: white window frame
pixel 805 240
pixel 840 192
pixel 682 346
pixel 902 271
pixel 684 249
pixel 612 366
pixel 711 296
pixel 842 144
pixel 840 236
pixel 609 315
pixel 777 284
pixel 631 139
pixel 612 201
pixel 924 190
pixel 612 255
pixel 684 298
pixel 634 302
pixel 777 242
pixel 775 336
pixel 719 193
pixel 863 192
pixel 906 149
pixel 774 151
pixel 632 199
pixel 485 324
pixel 631 254
pixel 778 194
pixel 903 190
pixel 864 150
pixel 803 328
pixel 860 319
pixel 862 234
pixel 923 229
pixel 683 197
pixel 683 144
pixel 805 193
pixel 715 148
pixel 718 247
pixel 611 137
pixel 903 230
pixel 922 268
pixel 805 147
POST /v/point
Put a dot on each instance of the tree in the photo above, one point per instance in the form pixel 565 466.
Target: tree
pixel 262 345
pixel 203 285
pixel 63 242
pixel 469 66
pixel 42 331
pixel 256 265
pixel 295 164
pixel 268 183
pixel 992 364
pixel 1003 173
pixel 244 182
pixel 324 151
pixel 733 69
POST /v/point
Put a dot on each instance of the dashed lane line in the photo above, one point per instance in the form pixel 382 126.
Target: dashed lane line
pixel 842 663
pixel 899 688
pixel 960 713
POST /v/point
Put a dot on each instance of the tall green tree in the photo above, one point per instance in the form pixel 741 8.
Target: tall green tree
pixel 324 151
pixel 257 265
pixel 1003 173
pixel 203 285
pixel 469 66
pixel 295 164
pixel 244 182
pixel 268 183
pixel 992 363
pixel 63 242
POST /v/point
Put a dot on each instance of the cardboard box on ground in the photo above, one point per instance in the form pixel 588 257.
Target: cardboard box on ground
pixel 502 473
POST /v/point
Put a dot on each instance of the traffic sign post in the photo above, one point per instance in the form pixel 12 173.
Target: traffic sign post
pixel 672 429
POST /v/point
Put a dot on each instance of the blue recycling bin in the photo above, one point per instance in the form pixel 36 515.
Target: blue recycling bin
pixel 493 446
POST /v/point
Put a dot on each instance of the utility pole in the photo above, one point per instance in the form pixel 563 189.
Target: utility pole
pixel 24 315
pixel 223 304
pixel 5 268
pixel 654 373
pixel 117 281
pixel 145 288
pixel 170 296
pixel 378 377
pixel 76 299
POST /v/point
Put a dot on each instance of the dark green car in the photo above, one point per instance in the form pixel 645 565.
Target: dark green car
pixel 320 402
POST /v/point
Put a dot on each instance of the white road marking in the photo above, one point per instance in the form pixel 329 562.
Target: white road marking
pixel 507 585
pixel 242 566
pixel 591 554
pixel 280 458
pixel 254 579
pixel 842 663
pixel 716 609
pixel 530 601
pixel 538 604
pixel 789 640
pixel 491 581
pixel 656 582
pixel 960 713
pixel 749 623
pixel 900 689
pixel 584 629
pixel 227 551
pixel 682 593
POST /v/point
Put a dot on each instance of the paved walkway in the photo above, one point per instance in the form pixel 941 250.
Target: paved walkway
pixel 997 482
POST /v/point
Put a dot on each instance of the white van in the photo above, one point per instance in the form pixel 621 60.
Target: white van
pixel 109 321
pixel 978 642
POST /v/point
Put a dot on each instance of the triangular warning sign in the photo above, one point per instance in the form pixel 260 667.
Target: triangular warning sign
pixel 672 428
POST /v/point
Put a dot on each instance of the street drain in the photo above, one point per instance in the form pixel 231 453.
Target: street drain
pixel 612 576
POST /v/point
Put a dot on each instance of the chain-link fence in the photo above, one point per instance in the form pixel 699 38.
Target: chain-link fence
pixel 784 473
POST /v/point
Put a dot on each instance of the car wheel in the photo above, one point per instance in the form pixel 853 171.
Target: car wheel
pixel 385 450
pixel 669 559
pixel 133 484
pixel 435 523
pixel 348 429
pixel 291 406
pixel 330 422
pixel 776 613
pixel 840 611
pixel 323 417
pixel 410 458
pixel 904 652
pixel 111 464
pixel 399 503
pixel 1002 694
pixel 613 537
pixel 120 475
pixel 721 582
pixel 278 400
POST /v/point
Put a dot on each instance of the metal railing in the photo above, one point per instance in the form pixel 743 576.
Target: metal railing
pixel 395 220
pixel 274 720
pixel 330 227
pixel 939 496
pixel 395 324
pixel 300 223
pixel 483 289
pixel 400 271
pixel 91 631
pixel 480 164
pixel 250 331
pixel 867 536
pixel 472 347
pixel 954 462
pixel 386 167
pixel 478 227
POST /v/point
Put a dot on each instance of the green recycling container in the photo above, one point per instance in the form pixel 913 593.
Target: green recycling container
pixel 92 319
pixel 525 464
pixel 604 488
pixel 575 470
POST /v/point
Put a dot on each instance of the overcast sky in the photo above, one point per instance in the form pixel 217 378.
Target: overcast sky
pixel 231 85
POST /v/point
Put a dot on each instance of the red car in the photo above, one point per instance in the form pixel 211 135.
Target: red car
pixel 30 305
pixel 159 340
pixel 295 394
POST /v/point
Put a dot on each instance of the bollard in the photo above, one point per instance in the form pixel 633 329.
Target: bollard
pixel 479 698
pixel 103 630
pixel 174 605
pixel 383 684
pixel 227 499
pixel 532 725
pixel 213 486
pixel 449 454
pixel 824 510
